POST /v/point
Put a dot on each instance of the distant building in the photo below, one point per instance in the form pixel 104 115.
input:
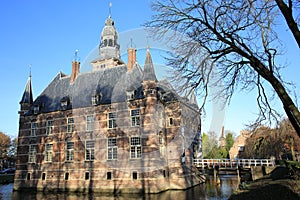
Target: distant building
pixel 222 139
pixel 239 144
pixel 114 129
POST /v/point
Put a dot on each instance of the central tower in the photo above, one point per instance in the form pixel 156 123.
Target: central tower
pixel 109 49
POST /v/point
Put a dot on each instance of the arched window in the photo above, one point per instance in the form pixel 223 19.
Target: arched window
pixel 110 42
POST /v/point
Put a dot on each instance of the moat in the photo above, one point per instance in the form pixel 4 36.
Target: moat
pixel 209 191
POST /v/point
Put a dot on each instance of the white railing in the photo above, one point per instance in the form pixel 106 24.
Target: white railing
pixel 233 163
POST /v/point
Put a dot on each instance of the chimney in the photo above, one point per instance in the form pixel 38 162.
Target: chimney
pixel 131 58
pixel 75 71
pixel 222 132
pixel 75 67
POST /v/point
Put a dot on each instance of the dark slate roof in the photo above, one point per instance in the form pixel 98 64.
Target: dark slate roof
pixel 111 84
pixel 149 73
pixel 27 95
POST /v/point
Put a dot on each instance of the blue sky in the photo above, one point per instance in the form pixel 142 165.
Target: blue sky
pixel 45 34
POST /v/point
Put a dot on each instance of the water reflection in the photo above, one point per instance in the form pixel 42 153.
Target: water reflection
pixel 211 190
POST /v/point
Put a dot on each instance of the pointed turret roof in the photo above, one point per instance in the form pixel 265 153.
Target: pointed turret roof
pixel 149 73
pixel 27 95
pixel 193 98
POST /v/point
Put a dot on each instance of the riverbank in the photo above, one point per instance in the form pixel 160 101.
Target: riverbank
pixel 277 185
pixel 6 178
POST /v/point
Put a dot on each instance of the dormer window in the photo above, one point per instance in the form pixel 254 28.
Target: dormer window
pixel 96 99
pixel 64 103
pixel 36 109
pixel 152 91
pixel 131 94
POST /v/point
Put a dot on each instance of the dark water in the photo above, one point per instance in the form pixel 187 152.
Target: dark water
pixel 208 191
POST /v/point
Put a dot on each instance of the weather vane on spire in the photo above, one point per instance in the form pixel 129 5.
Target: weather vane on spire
pixel 30 65
pixel 110 5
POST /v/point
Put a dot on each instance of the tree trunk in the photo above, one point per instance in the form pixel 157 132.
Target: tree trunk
pixel 292 148
pixel 290 108
pixel 287 13
pixel 288 104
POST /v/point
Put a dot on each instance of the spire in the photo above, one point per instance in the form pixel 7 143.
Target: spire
pixel 27 98
pixel 193 98
pixel 149 73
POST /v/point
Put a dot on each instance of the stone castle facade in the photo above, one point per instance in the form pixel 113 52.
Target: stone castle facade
pixel 113 129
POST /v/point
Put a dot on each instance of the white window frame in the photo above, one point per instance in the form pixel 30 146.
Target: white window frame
pixel 90 150
pixel 241 148
pixel 111 120
pixel 112 149
pixel 32 153
pixel 70 125
pixel 33 129
pixel 135 117
pixel 49 127
pixel 69 151
pixel 90 120
pixel 48 152
pixel 135 147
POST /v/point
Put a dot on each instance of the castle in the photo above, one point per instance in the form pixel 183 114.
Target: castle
pixel 113 129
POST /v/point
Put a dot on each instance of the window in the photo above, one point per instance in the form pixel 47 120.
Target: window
pixel 152 91
pixel 112 149
pixel 108 176
pixel 112 120
pixel 134 175
pixel 67 174
pixel 110 42
pixel 130 95
pixel 164 173
pixel 135 147
pixel 43 176
pixel 36 109
pixel 241 148
pixel 160 138
pixel 49 127
pixel 48 152
pixel 135 117
pixel 70 128
pixel 32 154
pixel 90 123
pixel 90 150
pixel 171 121
pixel 96 98
pixel 87 176
pixel 69 151
pixel 64 103
pixel 33 128
pixel 28 176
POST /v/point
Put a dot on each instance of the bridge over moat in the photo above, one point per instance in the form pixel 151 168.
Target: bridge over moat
pixel 232 163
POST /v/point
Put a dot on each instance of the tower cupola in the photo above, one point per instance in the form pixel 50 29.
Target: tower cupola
pixel 109 47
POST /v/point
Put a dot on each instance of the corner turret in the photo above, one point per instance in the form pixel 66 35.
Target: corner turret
pixel 27 98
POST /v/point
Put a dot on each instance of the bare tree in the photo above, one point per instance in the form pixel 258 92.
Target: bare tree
pixel 233 43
